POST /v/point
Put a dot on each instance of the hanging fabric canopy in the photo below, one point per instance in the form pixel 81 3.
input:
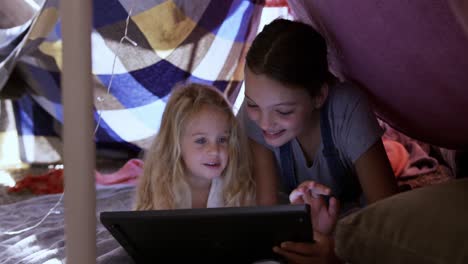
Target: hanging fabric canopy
pixel 166 42
pixel 411 56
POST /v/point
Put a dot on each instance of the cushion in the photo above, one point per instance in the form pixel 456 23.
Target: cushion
pixel 426 225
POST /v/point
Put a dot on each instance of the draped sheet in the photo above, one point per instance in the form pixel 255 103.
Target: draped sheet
pixel 176 41
pixel 410 56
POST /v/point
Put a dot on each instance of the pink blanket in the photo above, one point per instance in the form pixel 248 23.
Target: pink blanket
pixel 127 174
pixel 407 156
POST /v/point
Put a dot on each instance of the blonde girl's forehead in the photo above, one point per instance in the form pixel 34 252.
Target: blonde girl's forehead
pixel 210 113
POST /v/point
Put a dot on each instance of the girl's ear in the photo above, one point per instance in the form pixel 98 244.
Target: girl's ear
pixel 321 97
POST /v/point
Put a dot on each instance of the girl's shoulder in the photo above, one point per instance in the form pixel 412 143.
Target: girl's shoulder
pixel 347 92
pixel 352 120
pixel 346 97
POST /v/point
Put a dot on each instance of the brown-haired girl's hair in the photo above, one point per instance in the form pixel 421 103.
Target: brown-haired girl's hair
pixel 163 184
pixel 292 53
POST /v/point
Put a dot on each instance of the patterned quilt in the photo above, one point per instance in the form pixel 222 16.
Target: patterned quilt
pixel 140 49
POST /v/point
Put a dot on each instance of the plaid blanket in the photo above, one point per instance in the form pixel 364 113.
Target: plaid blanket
pixel 167 42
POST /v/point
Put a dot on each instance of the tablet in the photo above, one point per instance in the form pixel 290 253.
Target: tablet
pixel 209 235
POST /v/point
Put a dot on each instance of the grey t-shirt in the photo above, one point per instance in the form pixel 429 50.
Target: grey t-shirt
pixel 354 129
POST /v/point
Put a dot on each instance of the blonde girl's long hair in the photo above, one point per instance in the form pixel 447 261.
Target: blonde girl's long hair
pixel 163 184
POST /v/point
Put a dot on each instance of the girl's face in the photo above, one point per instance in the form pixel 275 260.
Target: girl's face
pixel 204 143
pixel 282 112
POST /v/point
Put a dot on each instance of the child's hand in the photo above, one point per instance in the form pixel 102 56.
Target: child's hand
pixel 323 216
pixel 322 251
pixel 306 190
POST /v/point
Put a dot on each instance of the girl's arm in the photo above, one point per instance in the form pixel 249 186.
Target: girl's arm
pixel 375 173
pixel 265 174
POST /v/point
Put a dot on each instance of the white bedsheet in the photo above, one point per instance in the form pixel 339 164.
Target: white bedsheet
pixel 45 243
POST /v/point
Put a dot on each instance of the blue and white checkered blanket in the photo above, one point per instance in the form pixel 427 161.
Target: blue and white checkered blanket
pixel 176 40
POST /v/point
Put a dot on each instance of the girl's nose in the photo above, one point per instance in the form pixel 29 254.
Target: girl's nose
pixel 265 121
pixel 213 148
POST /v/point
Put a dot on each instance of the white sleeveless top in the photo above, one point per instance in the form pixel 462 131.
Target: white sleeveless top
pixel 215 197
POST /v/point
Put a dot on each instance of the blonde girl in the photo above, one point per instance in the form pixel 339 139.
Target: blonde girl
pixel 199 157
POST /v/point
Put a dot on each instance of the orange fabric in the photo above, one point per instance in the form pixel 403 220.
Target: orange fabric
pixel 51 182
pixel 397 154
pixel 276 3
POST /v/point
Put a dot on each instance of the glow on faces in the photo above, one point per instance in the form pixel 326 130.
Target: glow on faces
pixel 280 111
pixel 204 143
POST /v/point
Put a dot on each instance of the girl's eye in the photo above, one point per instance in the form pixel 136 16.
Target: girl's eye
pixel 284 112
pixel 250 105
pixel 222 139
pixel 200 141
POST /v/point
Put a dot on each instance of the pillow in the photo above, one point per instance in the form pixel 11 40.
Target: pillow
pixel 426 225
